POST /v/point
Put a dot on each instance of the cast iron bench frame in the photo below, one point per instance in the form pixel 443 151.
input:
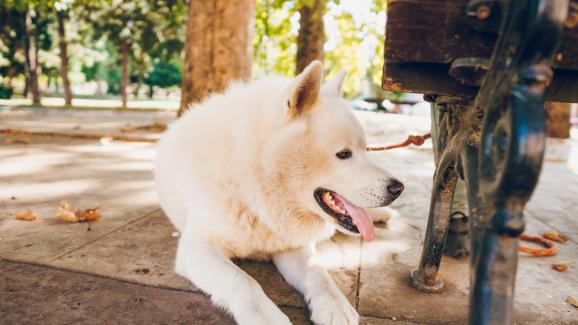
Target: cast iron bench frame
pixel 493 138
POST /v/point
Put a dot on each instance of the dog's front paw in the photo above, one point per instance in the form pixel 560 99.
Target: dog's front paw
pixel 261 314
pixel 332 309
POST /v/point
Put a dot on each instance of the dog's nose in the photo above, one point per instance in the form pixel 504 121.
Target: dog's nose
pixel 395 187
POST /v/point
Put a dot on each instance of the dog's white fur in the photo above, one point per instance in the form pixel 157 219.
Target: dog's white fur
pixel 236 176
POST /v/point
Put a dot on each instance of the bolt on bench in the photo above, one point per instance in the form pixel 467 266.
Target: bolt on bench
pixel 487 67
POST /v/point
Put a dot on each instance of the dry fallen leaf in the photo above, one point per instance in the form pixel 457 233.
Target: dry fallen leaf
pixel 572 302
pixel 66 212
pixel 555 236
pixel 26 215
pixel 560 267
pixel 69 214
pixel 87 215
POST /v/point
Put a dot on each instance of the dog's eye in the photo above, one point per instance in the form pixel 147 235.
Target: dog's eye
pixel 344 154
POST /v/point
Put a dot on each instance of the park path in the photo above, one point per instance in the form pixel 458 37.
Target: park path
pixel 119 269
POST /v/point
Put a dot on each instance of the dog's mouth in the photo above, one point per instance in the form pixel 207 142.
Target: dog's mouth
pixel 350 218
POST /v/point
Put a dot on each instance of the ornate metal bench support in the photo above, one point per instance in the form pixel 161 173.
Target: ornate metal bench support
pixel 500 161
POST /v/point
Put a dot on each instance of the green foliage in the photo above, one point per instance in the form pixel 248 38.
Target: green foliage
pixel 12 33
pixel 6 92
pixel 155 31
pixel 353 42
pixel 112 78
pixel 164 75
pixel 90 72
pixel 275 37
pixel 11 45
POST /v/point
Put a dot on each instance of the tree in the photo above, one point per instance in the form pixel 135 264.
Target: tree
pixel 274 45
pixel 217 47
pixel 116 23
pixel 140 30
pixel 63 46
pixel 31 49
pixel 164 75
pixel 311 36
pixel 11 47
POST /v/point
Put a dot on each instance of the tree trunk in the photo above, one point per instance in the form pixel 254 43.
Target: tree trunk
pixel 218 47
pixel 124 82
pixel 311 37
pixel 31 57
pixel 558 119
pixel 63 44
pixel 26 46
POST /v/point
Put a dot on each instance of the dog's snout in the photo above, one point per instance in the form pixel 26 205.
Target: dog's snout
pixel 394 187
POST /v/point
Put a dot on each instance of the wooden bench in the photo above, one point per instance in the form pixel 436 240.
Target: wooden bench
pixel 424 38
pixel 486 67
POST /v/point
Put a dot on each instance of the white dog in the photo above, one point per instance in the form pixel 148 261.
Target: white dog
pixel 266 170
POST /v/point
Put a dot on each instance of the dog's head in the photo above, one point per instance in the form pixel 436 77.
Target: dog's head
pixel 319 158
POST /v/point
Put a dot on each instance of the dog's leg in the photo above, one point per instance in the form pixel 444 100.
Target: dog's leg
pixel 326 302
pixel 208 268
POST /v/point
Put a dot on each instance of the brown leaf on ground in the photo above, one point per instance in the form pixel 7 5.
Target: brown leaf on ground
pixel 87 215
pixel 560 267
pixel 26 215
pixel 66 212
pixel 69 214
pixel 572 302
pixel 555 236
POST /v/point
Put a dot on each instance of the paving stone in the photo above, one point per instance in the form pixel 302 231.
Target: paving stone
pixel 383 321
pixel 385 291
pixel 41 295
pixel 115 179
pixel 85 299
pixel 144 251
pixel 540 291
pixel 133 241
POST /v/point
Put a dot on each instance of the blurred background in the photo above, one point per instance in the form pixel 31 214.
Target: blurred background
pixel 115 53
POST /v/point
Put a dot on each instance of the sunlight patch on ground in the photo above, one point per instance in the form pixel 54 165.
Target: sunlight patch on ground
pixel 169 104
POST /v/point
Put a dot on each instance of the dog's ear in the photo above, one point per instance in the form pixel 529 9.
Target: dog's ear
pixel 305 89
pixel 335 85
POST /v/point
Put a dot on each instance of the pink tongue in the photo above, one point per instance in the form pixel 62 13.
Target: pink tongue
pixel 361 220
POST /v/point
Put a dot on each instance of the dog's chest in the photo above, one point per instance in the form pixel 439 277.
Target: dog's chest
pixel 247 236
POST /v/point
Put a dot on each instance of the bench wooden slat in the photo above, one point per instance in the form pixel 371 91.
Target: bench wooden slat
pixel 436 31
pixel 423 37
pixel 433 78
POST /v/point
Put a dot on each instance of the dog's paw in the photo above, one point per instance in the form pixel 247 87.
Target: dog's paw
pixel 332 309
pixel 262 314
